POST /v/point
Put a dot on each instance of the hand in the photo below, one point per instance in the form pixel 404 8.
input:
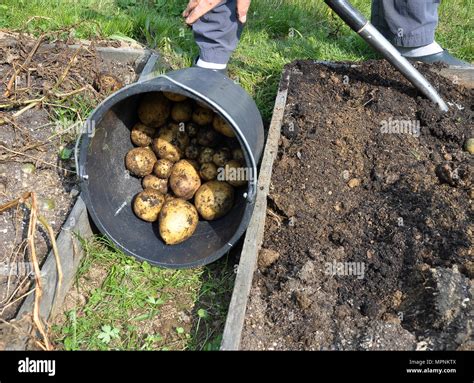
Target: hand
pixel 198 8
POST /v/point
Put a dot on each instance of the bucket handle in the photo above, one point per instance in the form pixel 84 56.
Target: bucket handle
pixel 79 168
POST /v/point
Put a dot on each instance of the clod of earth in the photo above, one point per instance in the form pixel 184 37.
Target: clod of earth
pixel 267 257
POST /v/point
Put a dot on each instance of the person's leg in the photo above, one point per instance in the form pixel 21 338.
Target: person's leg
pixel 406 23
pixel 410 25
pixel 217 34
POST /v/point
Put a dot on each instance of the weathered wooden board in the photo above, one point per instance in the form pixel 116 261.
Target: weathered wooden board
pixel 70 253
pixel 254 234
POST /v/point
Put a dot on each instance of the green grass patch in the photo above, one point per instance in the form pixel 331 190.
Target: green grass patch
pixel 128 305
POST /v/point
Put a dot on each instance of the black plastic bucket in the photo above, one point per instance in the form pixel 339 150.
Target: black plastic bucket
pixel 108 189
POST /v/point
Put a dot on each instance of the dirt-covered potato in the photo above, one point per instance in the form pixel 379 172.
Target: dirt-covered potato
pixel 192 129
pixel 142 135
pixel 182 111
pixel 166 150
pixel 206 155
pixel 107 83
pixel 140 161
pixel 195 164
pixel 169 196
pixel 184 179
pixel 183 140
pixel 238 155
pixel 214 199
pixel 207 137
pixel 203 116
pixel 202 104
pixel 162 168
pixel 208 171
pixel 221 156
pixel 174 96
pixel 169 131
pixel 222 127
pixel 235 174
pixel 192 152
pixel 153 182
pixel 178 221
pixel 154 109
pixel 147 204
pixel 174 134
pixel 170 142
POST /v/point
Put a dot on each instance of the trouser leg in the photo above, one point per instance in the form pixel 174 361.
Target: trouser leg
pixel 217 33
pixel 406 23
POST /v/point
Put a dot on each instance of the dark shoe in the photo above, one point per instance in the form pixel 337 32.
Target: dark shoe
pixel 223 71
pixel 443 57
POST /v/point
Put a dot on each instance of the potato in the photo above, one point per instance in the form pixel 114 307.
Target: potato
pixel 222 127
pixel 208 171
pixel 169 132
pixel 235 174
pixel 169 196
pixel 214 199
pixel 202 104
pixel 166 150
pixel 206 155
pixel 142 135
pixel 207 137
pixel 221 156
pixel 178 221
pixel 183 140
pixel 202 116
pixel 147 204
pixel 162 168
pixel 182 111
pixel 195 164
pixel 192 152
pixel 153 182
pixel 169 143
pixel 192 129
pixel 154 109
pixel 184 179
pixel 175 135
pixel 238 155
pixel 176 97
pixel 140 161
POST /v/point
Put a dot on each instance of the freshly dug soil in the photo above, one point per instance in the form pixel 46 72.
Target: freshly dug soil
pixel 369 228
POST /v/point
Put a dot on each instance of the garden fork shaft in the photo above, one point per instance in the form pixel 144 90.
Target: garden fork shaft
pixel 374 38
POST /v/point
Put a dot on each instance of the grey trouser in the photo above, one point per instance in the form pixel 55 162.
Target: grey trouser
pixel 217 33
pixel 407 23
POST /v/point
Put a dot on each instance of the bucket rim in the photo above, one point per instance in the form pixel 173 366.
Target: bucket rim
pixel 159 84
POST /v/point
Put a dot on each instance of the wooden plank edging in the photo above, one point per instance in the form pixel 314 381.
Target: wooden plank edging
pixel 254 235
pixel 70 254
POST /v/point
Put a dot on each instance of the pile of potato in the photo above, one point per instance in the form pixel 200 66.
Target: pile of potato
pixel 180 147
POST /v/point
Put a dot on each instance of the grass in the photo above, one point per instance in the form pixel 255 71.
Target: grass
pixel 128 304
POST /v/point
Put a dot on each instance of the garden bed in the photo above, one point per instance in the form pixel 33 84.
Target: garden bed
pixel 368 234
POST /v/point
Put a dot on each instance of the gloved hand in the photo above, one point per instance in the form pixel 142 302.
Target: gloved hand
pixel 198 8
